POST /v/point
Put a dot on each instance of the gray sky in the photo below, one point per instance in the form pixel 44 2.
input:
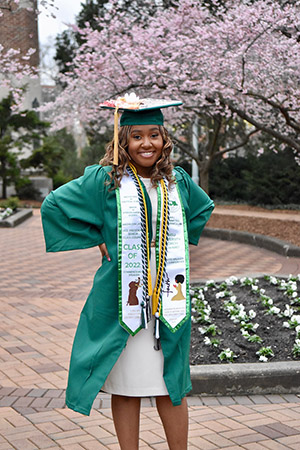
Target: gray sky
pixel 50 27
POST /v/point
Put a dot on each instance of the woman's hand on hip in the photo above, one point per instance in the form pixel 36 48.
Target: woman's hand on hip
pixel 104 251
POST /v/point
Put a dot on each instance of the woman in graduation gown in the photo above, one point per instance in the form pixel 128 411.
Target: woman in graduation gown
pixel 85 213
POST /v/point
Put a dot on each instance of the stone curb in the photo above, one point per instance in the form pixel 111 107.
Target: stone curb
pixel 246 379
pixel 259 240
pixel 20 216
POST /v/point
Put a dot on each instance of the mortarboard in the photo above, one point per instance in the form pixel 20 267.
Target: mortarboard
pixel 136 111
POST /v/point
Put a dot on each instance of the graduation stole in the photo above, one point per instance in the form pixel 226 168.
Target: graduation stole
pixel 170 296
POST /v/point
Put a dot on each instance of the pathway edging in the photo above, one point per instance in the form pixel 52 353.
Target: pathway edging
pixel 281 377
pixel 15 219
pixel 259 240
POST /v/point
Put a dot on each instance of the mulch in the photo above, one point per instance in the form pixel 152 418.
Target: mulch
pixel 288 231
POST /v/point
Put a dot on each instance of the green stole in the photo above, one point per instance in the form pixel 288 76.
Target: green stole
pixel 170 296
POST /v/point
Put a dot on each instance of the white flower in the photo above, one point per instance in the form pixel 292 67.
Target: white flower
pixel 207 341
pixel 228 352
pixel 294 294
pixel 274 310
pixel 245 333
pixel 202 330
pixel 201 295
pixel 231 280
pixel 255 326
pixel 131 98
pixel 262 291
pixel 270 302
pixel 296 319
pixel 210 282
pixel 193 310
pixel 286 325
pixel 194 320
pixel 273 280
pixel 288 312
pixel 192 292
pixel 297 329
pixel 297 342
pixel 252 314
pixel 220 294
pixel 263 358
pixel 254 288
pixel 233 298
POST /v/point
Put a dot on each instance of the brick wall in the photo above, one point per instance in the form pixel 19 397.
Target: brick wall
pixel 19 29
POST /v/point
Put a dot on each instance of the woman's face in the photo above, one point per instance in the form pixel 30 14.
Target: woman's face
pixel 145 146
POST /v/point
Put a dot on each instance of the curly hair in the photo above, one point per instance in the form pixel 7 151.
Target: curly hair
pixel 162 168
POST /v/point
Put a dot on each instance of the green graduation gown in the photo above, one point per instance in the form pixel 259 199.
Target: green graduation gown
pixel 83 214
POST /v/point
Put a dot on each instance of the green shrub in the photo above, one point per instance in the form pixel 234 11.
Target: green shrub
pixel 26 190
pixel 10 202
pixel 60 178
pixel 270 179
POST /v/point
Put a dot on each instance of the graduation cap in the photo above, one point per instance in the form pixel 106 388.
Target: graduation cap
pixel 136 111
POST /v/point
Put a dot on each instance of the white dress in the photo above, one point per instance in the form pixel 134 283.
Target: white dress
pixel 139 370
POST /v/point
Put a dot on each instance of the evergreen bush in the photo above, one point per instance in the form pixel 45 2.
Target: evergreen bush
pixel 268 179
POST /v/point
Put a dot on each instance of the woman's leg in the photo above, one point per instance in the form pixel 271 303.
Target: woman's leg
pixel 126 416
pixel 175 422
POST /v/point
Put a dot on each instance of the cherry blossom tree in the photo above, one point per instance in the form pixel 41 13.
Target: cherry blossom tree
pixel 237 64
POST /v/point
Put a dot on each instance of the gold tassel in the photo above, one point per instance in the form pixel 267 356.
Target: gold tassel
pixel 116 137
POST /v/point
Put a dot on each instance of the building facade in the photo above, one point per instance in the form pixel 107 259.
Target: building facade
pixel 19 30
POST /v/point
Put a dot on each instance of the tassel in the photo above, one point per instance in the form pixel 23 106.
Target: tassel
pixel 144 323
pixel 156 325
pixel 157 345
pixel 116 138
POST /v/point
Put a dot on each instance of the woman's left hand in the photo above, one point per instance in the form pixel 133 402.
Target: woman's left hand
pixel 104 251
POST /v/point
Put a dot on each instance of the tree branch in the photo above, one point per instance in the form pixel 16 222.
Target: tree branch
pixel 245 52
pixel 122 66
pixel 186 149
pixel 284 111
pixel 235 147
pixel 287 140
pixel 214 140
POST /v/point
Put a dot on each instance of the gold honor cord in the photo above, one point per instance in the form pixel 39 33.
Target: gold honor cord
pixel 147 230
pixel 156 307
pixel 116 137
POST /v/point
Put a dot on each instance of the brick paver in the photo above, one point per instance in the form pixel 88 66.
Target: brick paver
pixel 41 299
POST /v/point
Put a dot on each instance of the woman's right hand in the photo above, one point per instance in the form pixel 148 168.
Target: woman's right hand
pixel 104 251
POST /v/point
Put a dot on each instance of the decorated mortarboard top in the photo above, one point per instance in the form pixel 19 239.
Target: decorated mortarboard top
pixel 136 111
pixel 133 103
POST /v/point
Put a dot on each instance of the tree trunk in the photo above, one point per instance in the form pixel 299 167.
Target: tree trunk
pixel 204 179
pixel 4 181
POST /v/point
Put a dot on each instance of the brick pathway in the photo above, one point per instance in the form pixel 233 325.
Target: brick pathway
pixel 41 298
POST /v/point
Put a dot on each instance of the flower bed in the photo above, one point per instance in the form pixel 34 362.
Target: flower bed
pixel 246 320
pixel 5 213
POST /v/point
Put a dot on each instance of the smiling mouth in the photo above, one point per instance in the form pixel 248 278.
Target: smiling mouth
pixel 146 154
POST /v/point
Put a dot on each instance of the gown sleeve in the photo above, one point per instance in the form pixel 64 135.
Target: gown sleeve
pixel 200 207
pixel 72 215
